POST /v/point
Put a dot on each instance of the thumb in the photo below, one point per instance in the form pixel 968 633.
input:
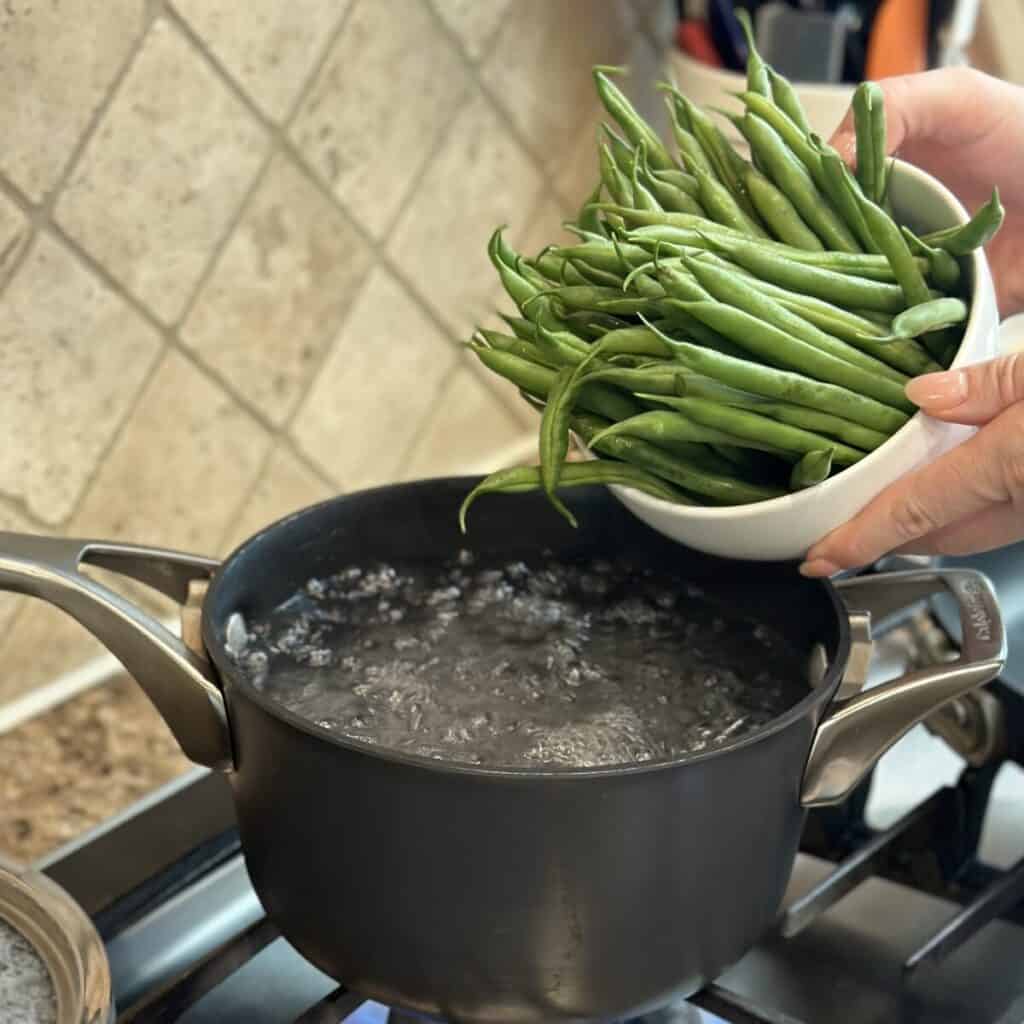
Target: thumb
pixel 973 395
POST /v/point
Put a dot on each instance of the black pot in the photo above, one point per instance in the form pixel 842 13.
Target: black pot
pixel 486 895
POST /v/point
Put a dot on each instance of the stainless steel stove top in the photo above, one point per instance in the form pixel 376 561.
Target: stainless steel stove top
pixel 882 931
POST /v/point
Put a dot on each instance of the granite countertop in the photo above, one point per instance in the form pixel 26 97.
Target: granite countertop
pixel 80 763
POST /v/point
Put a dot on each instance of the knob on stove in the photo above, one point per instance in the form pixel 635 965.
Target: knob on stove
pixel 41 926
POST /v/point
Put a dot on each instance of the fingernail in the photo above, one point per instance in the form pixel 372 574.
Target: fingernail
pixel 939 391
pixel 817 568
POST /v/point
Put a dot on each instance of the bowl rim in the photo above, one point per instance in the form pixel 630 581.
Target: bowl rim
pixel 795 502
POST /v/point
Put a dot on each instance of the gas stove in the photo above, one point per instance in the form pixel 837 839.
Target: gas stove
pixel 906 903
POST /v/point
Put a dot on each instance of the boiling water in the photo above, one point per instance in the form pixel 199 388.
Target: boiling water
pixel 26 991
pixel 508 664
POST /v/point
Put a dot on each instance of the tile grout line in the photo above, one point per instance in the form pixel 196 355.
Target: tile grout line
pixel 475 71
pixel 173 17
pixel 47 207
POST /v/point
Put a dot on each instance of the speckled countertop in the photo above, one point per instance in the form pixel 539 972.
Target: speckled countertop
pixel 71 768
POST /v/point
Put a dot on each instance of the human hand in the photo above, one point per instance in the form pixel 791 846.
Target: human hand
pixel 965 128
pixel 969 500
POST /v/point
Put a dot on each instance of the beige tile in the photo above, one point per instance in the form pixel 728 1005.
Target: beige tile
pixel 470 432
pixel 186 458
pixel 279 291
pixel 269 47
pixel 377 387
pixel 58 64
pixel 475 22
pixel 539 69
pixel 284 486
pixel 580 171
pixel 479 179
pixel 164 174
pixel 175 478
pixel 388 89
pixel 73 357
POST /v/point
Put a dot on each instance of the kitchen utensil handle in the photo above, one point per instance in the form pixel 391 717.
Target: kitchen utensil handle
pixel 179 682
pixel 855 733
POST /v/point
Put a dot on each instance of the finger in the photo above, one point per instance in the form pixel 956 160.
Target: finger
pixel 994 528
pixel 983 471
pixel 975 394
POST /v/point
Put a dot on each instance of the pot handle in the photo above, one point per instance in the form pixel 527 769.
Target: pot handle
pixel 180 684
pixel 856 732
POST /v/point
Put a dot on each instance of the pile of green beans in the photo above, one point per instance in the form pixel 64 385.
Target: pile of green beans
pixel 730 327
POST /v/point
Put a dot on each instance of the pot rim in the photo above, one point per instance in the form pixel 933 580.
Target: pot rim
pixel 819 696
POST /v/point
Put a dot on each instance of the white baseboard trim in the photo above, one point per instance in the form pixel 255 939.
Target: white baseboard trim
pixel 44 698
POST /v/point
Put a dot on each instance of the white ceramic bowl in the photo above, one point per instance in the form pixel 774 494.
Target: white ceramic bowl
pixel 785 528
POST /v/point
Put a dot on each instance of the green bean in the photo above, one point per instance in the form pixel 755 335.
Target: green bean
pixel 943 267
pixel 588 218
pixel 780 349
pixel 643 197
pixel 678 318
pixel 907 356
pixel 778 212
pixel 662 427
pixel 678 179
pixel 594 297
pixel 537 381
pixel 750 425
pixel 693 479
pixel 786 386
pixel 669 196
pixel 621 151
pixel 521 327
pixel 522 479
pixel 977 232
pixel 721 205
pixel 747 460
pixel 690 150
pixel 679 284
pixel 728 164
pixel 591 324
pixel 818 422
pixel 556 270
pixel 731 288
pixel 617 184
pixel 842 289
pixel 641 341
pixel 882 172
pixel 787 101
pixel 872 266
pixel 584 273
pixel 560 348
pixel 789 131
pixel 658 380
pixel 870 161
pixel 928 316
pixel 518 288
pixel 841 187
pixel 616 259
pixel 793 178
pixel 757 71
pixel 523 349
pixel 812 469
pixel 636 129
pixel 893 245
pixel 554 441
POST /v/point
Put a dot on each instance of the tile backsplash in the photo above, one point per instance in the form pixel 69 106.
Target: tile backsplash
pixel 240 243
